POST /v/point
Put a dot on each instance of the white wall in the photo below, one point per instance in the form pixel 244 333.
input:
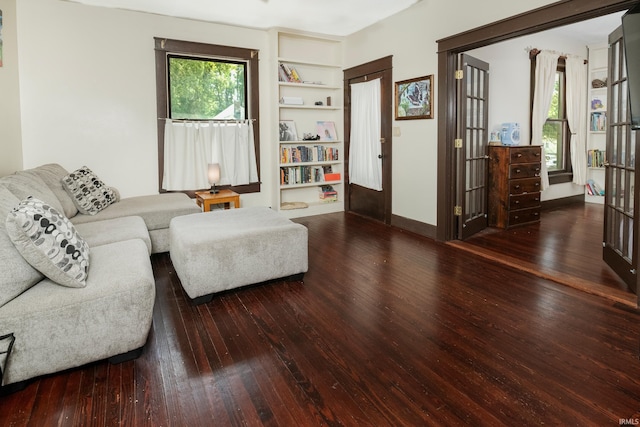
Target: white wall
pixel 88 97
pixel 411 37
pixel 10 138
pixel 510 86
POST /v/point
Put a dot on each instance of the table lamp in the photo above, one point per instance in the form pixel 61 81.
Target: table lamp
pixel 213 173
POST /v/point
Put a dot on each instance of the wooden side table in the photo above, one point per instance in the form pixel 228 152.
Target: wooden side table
pixel 205 199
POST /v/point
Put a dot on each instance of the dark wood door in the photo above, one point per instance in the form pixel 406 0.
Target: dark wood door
pixel 364 201
pixel 621 181
pixel 471 146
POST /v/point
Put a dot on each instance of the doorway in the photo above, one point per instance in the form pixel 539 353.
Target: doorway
pixel 360 200
pixel 502 31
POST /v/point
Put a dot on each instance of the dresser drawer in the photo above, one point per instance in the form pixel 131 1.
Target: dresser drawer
pixel 526 185
pixel 524 215
pixel 526 154
pixel 522 201
pixel 524 170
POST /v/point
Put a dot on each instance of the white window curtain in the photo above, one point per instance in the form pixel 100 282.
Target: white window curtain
pixel 190 146
pixel 365 168
pixel 545 75
pixel 576 72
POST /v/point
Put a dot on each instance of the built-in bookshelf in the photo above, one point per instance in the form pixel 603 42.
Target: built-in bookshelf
pixel 597 123
pixel 310 124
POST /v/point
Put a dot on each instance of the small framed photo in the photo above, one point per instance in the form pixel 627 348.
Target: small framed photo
pixel 288 130
pixel 327 131
pixel 414 98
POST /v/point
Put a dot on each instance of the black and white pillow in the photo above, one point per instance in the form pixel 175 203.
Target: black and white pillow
pixel 88 192
pixel 49 242
pixel 6 344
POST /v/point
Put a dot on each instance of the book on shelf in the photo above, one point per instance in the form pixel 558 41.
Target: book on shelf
pixel 288 74
pixel 596 158
pixel 594 189
pixel 327 194
pixel 305 153
pixel 598 121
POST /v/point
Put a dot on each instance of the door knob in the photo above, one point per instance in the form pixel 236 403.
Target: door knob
pixel 379 156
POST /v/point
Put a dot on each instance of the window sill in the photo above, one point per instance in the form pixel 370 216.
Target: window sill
pixel 560 177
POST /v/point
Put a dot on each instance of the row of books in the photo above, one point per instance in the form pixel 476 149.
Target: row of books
pixel 290 175
pixel 596 158
pixel 598 121
pixel 288 74
pixel 303 153
pixel 594 189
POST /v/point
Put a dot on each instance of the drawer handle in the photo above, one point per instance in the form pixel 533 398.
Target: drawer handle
pixel 537 169
pixel 536 214
pixel 517 170
pixel 518 155
pixel 517 202
pixel 517 187
pixel 516 217
pixel 537 184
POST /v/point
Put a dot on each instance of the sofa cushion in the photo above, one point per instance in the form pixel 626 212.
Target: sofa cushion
pixel 49 242
pixel 98 233
pixel 58 328
pixel 52 175
pixel 156 210
pixel 88 192
pixel 27 183
pixel 17 274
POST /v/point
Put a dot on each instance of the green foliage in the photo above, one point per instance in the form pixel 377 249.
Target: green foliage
pixel 202 89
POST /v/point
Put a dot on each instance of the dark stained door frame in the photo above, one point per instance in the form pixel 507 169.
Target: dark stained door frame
pixel 380 68
pixel 543 18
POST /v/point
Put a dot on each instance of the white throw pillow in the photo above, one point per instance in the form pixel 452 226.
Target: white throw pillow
pixel 88 192
pixel 49 242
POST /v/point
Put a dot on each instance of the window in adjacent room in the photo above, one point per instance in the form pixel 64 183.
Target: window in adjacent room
pixel 556 133
pixel 199 81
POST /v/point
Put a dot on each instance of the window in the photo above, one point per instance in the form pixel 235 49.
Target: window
pixel 206 88
pixel 199 81
pixel 556 133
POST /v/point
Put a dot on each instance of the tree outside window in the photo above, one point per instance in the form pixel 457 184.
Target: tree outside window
pixel 203 89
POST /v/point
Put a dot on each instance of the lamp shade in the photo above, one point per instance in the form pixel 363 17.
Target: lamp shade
pixel 213 173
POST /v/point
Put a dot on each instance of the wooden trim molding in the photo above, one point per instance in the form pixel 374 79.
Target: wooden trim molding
pixel 164 46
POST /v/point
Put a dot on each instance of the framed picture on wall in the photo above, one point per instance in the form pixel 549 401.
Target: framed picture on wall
pixel 414 98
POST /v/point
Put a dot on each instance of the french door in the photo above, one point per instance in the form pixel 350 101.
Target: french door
pixel 621 181
pixel 471 146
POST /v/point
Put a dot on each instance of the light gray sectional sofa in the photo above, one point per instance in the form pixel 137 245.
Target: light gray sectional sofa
pixel 106 311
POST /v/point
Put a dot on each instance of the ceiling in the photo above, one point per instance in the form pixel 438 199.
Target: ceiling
pixel 591 31
pixel 332 17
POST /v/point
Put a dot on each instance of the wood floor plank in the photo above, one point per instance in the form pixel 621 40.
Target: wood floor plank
pixel 388 328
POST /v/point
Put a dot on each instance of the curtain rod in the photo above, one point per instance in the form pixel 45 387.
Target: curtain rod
pixel 207 120
pixel 533 52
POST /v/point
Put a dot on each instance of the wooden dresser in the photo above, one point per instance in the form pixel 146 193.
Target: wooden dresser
pixel 514 185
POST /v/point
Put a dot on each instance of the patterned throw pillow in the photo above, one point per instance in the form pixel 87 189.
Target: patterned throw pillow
pixel 49 242
pixel 88 192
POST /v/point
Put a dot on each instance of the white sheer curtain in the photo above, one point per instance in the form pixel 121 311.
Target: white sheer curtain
pixel 365 168
pixel 190 146
pixel 576 72
pixel 546 67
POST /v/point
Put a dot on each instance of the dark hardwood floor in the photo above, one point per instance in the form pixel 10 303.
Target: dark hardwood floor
pixel 388 329
pixel 566 247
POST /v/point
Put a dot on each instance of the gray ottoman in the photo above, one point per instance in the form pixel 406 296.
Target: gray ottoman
pixel 226 249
